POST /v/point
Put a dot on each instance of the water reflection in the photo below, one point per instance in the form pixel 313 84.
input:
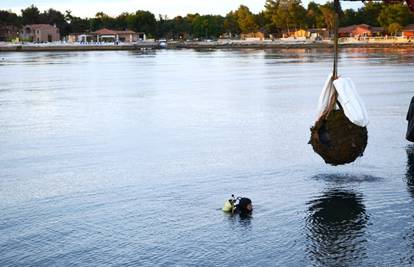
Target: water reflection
pixel 296 56
pixel 143 52
pixel 240 219
pixel 391 56
pixel 345 178
pixel 409 176
pixel 335 228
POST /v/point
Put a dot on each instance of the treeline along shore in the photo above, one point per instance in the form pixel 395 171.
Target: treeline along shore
pixel 279 18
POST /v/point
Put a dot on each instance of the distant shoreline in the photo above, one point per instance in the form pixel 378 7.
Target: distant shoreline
pixel 192 45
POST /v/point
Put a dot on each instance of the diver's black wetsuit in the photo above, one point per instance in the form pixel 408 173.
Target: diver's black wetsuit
pixel 410 119
pixel 241 208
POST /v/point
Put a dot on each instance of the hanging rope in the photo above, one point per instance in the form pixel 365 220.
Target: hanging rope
pixel 333 100
pixel 336 39
pixel 334 137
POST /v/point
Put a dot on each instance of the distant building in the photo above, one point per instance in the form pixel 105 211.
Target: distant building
pixel 107 35
pixel 74 37
pixel 300 33
pixel 321 33
pixel 309 33
pixel 361 30
pixel 80 37
pixel 8 33
pixel 276 35
pixel 40 33
pixel 408 31
pixel 253 36
pixel 228 35
pixel 127 36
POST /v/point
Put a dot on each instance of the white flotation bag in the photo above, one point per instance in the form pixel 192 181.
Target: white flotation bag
pixel 348 97
pixel 326 94
pixel 351 103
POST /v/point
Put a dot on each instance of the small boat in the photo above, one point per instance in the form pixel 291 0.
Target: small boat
pixel 163 43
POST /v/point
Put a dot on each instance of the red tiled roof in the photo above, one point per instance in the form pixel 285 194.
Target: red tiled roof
pixel 106 31
pixel 350 29
pixel 377 29
pixel 364 26
pixel 347 29
pixel 125 32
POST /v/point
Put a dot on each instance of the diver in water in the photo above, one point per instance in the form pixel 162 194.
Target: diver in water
pixel 240 205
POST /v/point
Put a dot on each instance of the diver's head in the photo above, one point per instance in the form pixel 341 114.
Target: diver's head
pixel 245 205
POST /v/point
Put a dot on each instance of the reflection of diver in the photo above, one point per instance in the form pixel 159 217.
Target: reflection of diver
pixel 409 175
pixel 240 205
pixel 335 228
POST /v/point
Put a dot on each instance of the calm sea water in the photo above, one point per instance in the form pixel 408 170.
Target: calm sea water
pixel 125 159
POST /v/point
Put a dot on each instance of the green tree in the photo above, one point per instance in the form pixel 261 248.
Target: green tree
pixel 350 17
pixel 286 14
pixel 180 27
pixel 394 28
pixel 208 26
pixel 142 21
pixel 246 20
pixel 261 21
pixel 271 7
pixel 369 13
pixel 163 27
pixel 54 17
pixel 396 13
pixel 121 21
pixel 31 15
pixel 9 18
pixel 230 24
pixel 314 17
pixel 328 12
pixel 102 20
pixel 76 24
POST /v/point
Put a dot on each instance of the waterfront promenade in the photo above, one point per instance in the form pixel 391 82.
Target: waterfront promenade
pixel 221 44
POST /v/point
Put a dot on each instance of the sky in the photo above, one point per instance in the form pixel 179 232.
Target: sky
pixel 171 8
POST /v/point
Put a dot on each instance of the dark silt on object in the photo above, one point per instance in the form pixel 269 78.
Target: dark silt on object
pixel 337 140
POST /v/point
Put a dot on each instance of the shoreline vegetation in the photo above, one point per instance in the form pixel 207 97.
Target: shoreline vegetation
pixel 278 19
pixel 30 47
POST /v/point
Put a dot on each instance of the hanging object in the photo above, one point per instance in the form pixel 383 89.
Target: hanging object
pixel 339 135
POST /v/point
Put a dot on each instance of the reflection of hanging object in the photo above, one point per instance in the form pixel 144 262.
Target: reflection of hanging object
pixel 339 135
pixel 336 223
